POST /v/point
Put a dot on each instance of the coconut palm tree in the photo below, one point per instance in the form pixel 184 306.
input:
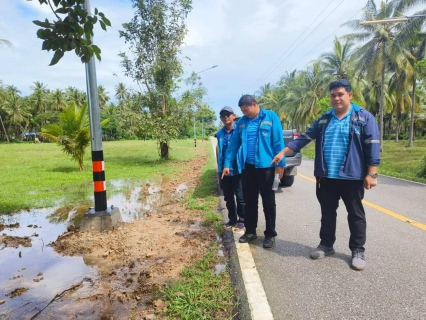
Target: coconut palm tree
pixel 102 97
pixel 401 98
pixel 311 89
pixel 2 112
pixel 121 93
pixel 16 110
pixel 379 48
pixel 72 94
pixel 336 64
pixel 57 100
pixel 39 97
pixel 72 132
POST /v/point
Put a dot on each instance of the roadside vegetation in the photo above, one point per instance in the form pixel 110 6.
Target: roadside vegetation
pixel 207 295
pixel 398 160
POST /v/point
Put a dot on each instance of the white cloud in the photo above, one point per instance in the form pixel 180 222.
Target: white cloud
pixel 243 37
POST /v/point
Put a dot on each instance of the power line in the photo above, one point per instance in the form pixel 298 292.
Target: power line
pixel 334 32
pixel 294 42
pixel 312 31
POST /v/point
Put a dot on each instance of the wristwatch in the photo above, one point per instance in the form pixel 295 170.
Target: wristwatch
pixel 373 175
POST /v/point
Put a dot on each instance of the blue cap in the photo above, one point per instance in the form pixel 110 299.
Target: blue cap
pixel 227 109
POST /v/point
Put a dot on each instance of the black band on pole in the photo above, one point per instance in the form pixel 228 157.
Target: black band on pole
pixel 98 155
pixel 100 201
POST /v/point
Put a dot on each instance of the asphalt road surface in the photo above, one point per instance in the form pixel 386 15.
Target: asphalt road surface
pixel 393 285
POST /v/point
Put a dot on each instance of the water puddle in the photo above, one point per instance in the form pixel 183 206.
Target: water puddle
pixel 219 268
pixel 32 275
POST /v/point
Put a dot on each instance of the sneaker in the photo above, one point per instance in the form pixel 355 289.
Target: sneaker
pixel 229 225
pixel 268 242
pixel 358 260
pixel 239 227
pixel 246 237
pixel 322 251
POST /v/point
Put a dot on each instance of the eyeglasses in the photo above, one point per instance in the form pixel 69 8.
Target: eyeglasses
pixel 226 115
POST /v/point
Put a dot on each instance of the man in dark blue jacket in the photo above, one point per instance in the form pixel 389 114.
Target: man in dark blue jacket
pixel 347 153
pixel 259 134
pixel 231 185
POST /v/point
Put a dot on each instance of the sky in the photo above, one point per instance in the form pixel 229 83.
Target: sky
pixel 253 42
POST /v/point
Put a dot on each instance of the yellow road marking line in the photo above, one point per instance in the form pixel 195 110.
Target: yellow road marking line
pixel 381 209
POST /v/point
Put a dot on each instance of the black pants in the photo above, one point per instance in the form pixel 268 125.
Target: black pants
pixel 257 181
pixel 232 188
pixel 329 191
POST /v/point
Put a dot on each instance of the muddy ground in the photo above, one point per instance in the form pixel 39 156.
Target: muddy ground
pixel 135 260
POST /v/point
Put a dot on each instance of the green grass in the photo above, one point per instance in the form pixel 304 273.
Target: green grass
pixel 397 160
pixel 200 293
pixel 41 175
pixel 204 196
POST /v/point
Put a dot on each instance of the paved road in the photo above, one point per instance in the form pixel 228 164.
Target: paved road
pixel 393 286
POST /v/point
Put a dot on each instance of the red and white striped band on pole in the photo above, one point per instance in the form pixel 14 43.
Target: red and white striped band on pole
pixel 99 184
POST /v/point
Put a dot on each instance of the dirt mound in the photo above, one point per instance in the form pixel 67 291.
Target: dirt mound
pixel 137 258
pixel 14 242
pixel 8 226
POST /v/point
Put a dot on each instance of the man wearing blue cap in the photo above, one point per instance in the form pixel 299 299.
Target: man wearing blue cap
pixel 231 185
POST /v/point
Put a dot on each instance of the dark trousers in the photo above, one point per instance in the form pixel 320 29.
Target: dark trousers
pixel 232 188
pixel 257 181
pixel 329 191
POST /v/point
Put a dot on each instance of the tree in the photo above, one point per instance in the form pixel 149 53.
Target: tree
pixel 121 93
pixel 57 100
pixel 74 31
pixel 39 97
pixel 15 108
pixel 336 64
pixel 2 112
pixel 102 97
pixel 74 95
pixel 378 48
pixel 72 132
pixel 155 35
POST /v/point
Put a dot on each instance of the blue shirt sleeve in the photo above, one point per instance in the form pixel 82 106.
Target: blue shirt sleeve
pixel 233 148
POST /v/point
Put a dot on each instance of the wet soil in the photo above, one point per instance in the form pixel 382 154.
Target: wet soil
pixel 124 268
pixel 14 241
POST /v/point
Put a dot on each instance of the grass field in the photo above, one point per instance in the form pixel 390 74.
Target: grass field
pixel 397 160
pixel 41 175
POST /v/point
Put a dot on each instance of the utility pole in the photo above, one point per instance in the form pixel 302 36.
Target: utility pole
pixel 95 132
pixel 100 217
pixel 202 128
pixel 195 133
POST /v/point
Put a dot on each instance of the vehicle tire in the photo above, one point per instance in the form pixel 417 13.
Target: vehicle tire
pixel 287 181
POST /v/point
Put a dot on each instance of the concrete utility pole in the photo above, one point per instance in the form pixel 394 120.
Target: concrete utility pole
pixel 100 217
pixel 195 133
pixel 202 134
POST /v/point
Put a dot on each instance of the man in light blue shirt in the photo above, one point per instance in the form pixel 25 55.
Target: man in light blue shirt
pixel 259 135
pixel 347 154
pixel 231 185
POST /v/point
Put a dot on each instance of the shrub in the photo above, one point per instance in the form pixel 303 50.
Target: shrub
pixel 422 172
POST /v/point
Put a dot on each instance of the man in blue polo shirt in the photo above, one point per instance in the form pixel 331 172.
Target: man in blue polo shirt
pixel 231 185
pixel 347 153
pixel 259 134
